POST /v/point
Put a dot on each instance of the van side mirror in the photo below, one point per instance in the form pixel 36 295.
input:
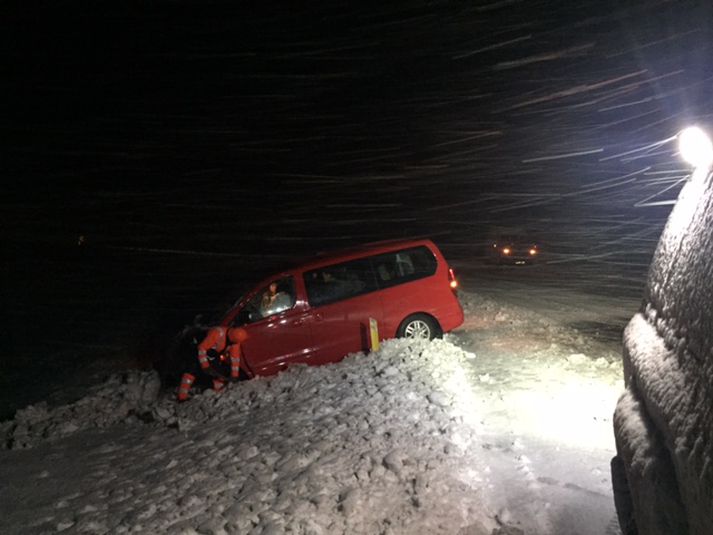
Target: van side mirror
pixel 244 316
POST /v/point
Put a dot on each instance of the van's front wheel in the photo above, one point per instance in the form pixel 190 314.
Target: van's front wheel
pixel 419 327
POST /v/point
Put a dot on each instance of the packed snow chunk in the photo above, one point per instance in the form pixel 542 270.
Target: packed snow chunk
pixel 501 316
pixel 390 371
pixel 393 462
pixel 349 501
pixel 439 398
pixel 65 525
pixel 577 359
pixel 601 362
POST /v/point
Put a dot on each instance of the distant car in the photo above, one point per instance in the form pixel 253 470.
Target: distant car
pixel 321 311
pixel 516 250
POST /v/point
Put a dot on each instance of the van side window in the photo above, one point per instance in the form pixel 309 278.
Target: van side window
pixel 274 298
pixel 340 281
pixel 404 266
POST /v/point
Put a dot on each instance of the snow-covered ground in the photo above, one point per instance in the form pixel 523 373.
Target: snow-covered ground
pixel 504 427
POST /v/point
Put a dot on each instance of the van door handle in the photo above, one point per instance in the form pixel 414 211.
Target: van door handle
pixel 298 322
pixel 318 317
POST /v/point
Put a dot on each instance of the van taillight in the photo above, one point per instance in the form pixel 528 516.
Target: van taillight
pixel 452 281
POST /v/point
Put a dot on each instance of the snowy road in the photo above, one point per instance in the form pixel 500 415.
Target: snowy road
pixel 544 398
pixel 513 431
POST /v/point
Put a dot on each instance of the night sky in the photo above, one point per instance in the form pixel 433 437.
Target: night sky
pixel 197 144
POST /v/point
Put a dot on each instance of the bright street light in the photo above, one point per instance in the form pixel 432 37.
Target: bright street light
pixel 695 147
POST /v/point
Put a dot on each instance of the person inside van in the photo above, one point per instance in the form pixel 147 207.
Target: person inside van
pixel 268 298
pixel 275 299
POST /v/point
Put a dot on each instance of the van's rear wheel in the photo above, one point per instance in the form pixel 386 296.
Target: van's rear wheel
pixel 419 327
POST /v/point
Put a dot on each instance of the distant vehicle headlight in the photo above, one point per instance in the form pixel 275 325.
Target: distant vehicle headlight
pixel 506 250
pixel 533 252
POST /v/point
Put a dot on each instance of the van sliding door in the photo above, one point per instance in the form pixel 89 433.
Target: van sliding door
pixel 342 298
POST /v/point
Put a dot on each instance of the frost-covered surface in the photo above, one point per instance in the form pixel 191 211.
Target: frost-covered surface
pixel 417 438
pixel 653 485
pixel 668 362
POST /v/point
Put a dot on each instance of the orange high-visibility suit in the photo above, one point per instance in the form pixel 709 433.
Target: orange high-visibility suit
pixel 225 343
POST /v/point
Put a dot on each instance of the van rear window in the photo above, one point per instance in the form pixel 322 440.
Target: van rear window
pixel 340 281
pixel 404 266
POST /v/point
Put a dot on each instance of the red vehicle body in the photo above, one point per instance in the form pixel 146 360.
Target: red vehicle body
pixel 319 312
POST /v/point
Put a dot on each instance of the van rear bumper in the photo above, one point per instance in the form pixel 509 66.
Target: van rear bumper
pixel 453 319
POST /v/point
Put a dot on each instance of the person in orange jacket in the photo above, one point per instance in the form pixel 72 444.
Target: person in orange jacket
pixel 220 347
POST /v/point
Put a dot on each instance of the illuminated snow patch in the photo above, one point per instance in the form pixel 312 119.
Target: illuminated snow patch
pixel 565 407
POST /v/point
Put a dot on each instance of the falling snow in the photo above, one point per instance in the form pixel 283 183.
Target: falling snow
pixel 160 157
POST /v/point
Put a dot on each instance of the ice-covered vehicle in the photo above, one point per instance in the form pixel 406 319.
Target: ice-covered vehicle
pixel 663 424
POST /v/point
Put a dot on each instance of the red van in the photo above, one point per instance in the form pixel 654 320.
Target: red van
pixel 319 312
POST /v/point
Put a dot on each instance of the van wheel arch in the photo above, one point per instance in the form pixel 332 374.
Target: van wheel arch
pixel 415 324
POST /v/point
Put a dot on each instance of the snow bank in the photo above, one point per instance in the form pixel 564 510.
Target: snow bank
pixel 370 445
pixel 124 397
pixel 666 443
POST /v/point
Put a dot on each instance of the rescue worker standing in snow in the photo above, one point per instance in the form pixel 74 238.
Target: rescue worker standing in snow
pixel 219 349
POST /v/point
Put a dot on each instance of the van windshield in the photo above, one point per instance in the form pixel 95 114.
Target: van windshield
pixel 276 297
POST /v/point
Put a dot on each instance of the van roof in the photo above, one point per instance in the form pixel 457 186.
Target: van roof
pixel 367 249
pixel 334 256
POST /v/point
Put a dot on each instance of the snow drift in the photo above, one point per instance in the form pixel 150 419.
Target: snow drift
pixel 370 445
pixel 663 475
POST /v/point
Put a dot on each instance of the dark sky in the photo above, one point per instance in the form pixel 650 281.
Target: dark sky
pixel 144 123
